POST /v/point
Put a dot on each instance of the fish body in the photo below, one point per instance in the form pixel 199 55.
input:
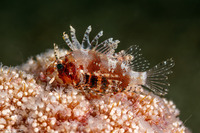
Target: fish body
pixel 96 68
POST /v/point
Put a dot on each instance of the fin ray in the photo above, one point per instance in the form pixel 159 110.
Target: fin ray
pixel 138 62
pixel 86 37
pixel 107 47
pixel 74 39
pixel 96 38
pixel 157 77
pixel 67 40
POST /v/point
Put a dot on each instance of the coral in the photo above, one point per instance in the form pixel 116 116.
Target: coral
pixel 28 103
pixel 88 90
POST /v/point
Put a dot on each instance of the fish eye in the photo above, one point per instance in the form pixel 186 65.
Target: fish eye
pixel 59 66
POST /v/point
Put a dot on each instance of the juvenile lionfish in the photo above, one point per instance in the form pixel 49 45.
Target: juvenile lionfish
pixel 95 67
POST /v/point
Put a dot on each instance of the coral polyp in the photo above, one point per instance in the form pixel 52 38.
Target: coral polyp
pixel 89 88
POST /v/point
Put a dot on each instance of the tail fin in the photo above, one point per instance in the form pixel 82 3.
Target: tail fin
pixel 157 77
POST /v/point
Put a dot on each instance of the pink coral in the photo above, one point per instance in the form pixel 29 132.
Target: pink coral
pixel 27 104
pixel 33 101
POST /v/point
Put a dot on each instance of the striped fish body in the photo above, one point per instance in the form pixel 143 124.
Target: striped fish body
pixel 95 67
pixel 90 69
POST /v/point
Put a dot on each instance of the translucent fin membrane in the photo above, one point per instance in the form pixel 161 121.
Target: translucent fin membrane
pixel 103 44
pixel 157 77
pixel 138 62
pixel 107 47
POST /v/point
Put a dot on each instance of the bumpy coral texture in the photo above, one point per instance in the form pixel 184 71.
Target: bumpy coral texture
pixel 29 104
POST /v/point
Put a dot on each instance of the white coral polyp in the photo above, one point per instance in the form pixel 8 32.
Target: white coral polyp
pixel 28 103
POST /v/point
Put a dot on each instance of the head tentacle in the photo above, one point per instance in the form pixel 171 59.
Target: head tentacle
pixel 56 52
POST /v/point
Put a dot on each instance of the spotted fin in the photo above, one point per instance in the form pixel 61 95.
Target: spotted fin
pixel 137 62
pixel 157 77
pixel 73 38
pixel 96 38
pixel 68 42
pixel 106 47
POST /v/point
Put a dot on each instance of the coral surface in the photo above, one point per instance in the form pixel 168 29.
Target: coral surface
pixel 28 103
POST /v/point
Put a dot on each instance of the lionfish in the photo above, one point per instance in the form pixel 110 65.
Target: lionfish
pixel 96 68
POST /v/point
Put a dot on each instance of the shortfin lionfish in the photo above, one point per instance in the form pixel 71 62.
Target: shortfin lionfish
pixel 96 68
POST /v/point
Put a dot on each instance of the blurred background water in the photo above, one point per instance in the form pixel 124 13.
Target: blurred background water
pixel 163 29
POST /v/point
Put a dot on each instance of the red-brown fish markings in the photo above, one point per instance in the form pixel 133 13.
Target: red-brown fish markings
pixel 98 69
